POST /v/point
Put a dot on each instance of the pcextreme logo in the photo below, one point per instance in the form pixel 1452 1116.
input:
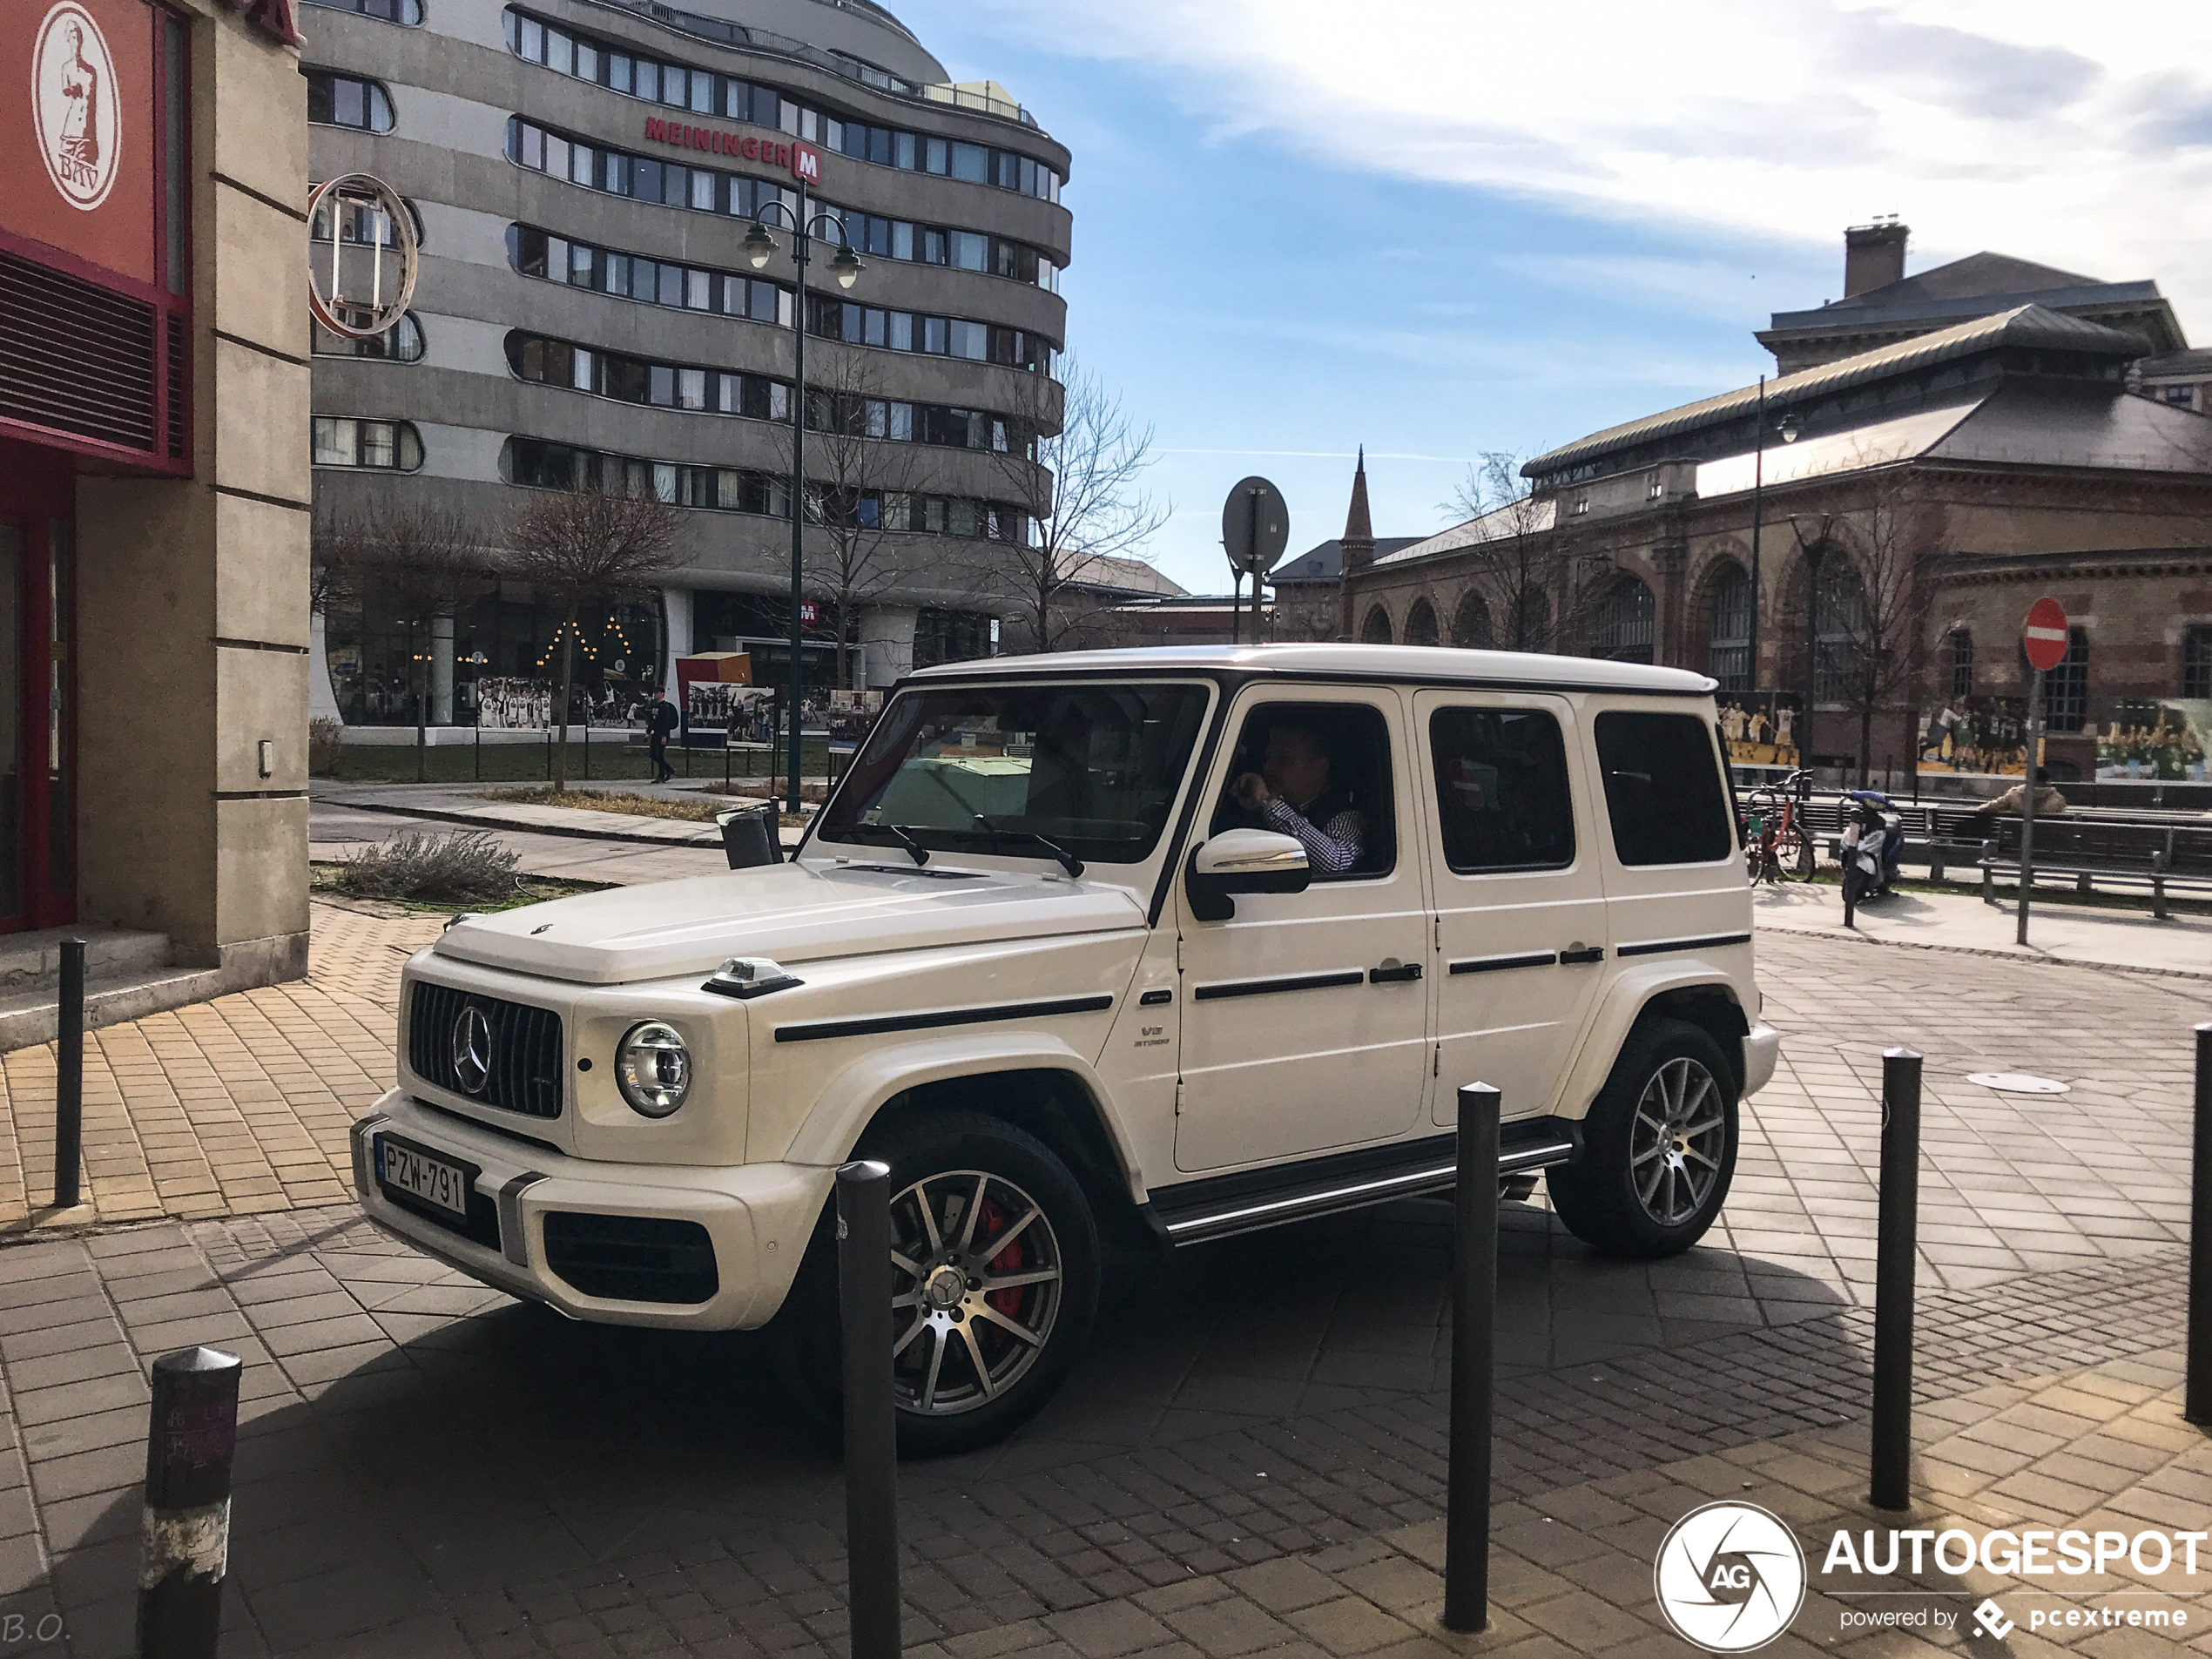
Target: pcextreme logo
pixel 1729 1577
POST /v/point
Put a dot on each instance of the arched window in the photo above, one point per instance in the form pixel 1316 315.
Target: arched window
pixel 1420 624
pixel 2196 662
pixel 1624 629
pixel 1838 629
pixel 1376 630
pixel 1471 624
pixel 1962 664
pixel 1727 638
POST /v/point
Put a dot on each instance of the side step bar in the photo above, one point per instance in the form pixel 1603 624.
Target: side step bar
pixel 1221 1206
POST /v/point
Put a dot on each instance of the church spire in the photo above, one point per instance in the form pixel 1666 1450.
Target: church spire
pixel 1358 542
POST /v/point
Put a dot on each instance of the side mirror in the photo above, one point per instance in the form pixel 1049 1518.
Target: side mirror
pixel 1243 860
pixel 749 836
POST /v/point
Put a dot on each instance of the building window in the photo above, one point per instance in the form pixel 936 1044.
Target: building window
pixel 953 637
pixel 343 101
pixel 1420 624
pixel 1376 630
pixel 2196 662
pixel 1728 641
pixel 1839 628
pixel 2066 688
pixel 2183 395
pixel 1471 624
pixel 400 11
pixel 1624 622
pixel 1962 664
pixel 388 446
pixel 401 343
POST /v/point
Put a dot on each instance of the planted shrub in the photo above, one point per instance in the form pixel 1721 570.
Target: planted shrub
pixel 459 867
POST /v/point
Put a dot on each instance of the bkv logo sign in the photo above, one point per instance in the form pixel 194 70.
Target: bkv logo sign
pixel 73 106
pixel 1729 1577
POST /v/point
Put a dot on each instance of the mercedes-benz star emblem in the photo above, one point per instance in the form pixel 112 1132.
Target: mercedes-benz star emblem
pixel 471 1049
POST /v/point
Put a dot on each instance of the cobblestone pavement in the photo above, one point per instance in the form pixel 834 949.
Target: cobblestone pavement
pixel 429 1468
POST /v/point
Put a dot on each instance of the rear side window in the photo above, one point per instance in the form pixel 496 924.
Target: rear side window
pixel 1663 788
pixel 1501 792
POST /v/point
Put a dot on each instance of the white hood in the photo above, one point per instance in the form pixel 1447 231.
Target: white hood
pixel 792 913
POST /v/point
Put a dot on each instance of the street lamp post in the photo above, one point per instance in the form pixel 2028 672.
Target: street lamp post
pixel 846 267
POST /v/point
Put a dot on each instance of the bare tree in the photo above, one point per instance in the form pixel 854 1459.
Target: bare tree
pixel 866 462
pixel 586 547
pixel 410 560
pixel 1529 582
pixel 1080 478
pixel 1868 602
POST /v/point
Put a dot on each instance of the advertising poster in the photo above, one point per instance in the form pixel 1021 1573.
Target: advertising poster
pixel 2162 740
pixel 1760 728
pixel 1987 735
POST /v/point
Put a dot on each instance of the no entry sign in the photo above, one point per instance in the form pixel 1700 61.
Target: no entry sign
pixel 2044 635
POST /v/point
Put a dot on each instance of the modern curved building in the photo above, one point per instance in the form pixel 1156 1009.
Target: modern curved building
pixel 583 174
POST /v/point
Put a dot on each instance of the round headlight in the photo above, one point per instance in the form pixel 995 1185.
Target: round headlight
pixel 654 1069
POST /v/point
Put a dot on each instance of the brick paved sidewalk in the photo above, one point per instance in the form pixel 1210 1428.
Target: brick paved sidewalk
pixel 225 1108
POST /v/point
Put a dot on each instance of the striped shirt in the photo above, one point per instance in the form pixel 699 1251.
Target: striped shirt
pixel 1334 847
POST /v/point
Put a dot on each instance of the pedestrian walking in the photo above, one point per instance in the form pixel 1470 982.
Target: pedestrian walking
pixel 660 720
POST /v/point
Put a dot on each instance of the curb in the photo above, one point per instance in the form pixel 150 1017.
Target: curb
pixel 1978 950
pixel 707 836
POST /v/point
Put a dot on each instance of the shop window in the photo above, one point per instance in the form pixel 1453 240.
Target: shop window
pixel 345 101
pixel 1727 638
pixel 386 446
pixel 2196 662
pixel 2066 688
pixel 1962 664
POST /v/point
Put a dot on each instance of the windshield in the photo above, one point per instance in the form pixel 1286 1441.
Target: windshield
pixel 1092 768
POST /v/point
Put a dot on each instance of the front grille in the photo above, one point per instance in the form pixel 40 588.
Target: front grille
pixel 631 1259
pixel 522 1073
pixel 74 356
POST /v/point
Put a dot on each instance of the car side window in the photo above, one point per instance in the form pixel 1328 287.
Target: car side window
pixel 1502 799
pixel 1663 788
pixel 1319 772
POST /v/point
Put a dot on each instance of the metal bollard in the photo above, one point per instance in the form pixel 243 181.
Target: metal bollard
pixel 185 1539
pixel 69 1078
pixel 2196 1398
pixel 1896 1263
pixel 871 1425
pixel 1474 1323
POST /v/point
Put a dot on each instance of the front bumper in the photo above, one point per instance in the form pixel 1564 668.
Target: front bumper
pixel 1761 1048
pixel 757 1218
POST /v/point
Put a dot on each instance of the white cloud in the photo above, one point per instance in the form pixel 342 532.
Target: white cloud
pixel 2082 140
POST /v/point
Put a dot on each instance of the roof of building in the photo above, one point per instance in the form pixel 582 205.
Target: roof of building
pixel 1528 517
pixel 2025 326
pixel 1133 578
pixel 1977 286
pixel 1324 564
pixel 2195 362
pixel 1371 662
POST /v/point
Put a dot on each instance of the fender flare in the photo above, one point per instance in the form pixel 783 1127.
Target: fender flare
pixel 1625 1002
pixel 857 1091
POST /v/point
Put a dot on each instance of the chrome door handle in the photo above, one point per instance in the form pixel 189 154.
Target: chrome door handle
pixel 1393 972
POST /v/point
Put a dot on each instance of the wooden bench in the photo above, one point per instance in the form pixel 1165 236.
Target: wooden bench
pixel 2143 854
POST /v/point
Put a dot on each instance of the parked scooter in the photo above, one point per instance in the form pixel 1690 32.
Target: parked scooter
pixel 1872 844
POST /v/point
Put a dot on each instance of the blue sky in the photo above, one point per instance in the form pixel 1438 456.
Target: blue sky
pixel 1291 241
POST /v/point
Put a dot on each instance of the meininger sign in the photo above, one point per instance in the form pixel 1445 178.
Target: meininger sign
pixel 803 160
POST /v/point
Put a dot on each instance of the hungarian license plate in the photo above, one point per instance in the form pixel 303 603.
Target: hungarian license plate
pixel 424 1176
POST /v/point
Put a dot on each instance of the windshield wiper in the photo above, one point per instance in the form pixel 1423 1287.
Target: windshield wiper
pixel 898 832
pixel 1069 861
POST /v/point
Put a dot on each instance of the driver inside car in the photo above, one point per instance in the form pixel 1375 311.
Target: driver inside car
pixel 1291 792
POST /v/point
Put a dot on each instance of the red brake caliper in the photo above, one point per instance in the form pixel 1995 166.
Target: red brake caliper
pixel 1006 1261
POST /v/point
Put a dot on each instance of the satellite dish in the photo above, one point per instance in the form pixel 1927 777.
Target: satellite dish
pixel 1255 526
pixel 365 285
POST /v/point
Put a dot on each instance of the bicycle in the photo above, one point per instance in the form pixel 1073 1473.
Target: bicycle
pixel 1774 841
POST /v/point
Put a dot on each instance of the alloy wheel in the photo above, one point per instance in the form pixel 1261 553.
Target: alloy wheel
pixel 1678 1139
pixel 976 1287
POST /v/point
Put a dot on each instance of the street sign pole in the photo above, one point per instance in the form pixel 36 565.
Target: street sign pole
pixel 1255 529
pixel 2045 638
pixel 2027 802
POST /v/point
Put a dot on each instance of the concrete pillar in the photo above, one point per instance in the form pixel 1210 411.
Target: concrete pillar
pixel 441 670
pixel 675 612
pixel 887 644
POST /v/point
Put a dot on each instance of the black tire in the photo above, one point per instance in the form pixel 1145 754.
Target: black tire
pixel 943 1155
pixel 1601 1197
